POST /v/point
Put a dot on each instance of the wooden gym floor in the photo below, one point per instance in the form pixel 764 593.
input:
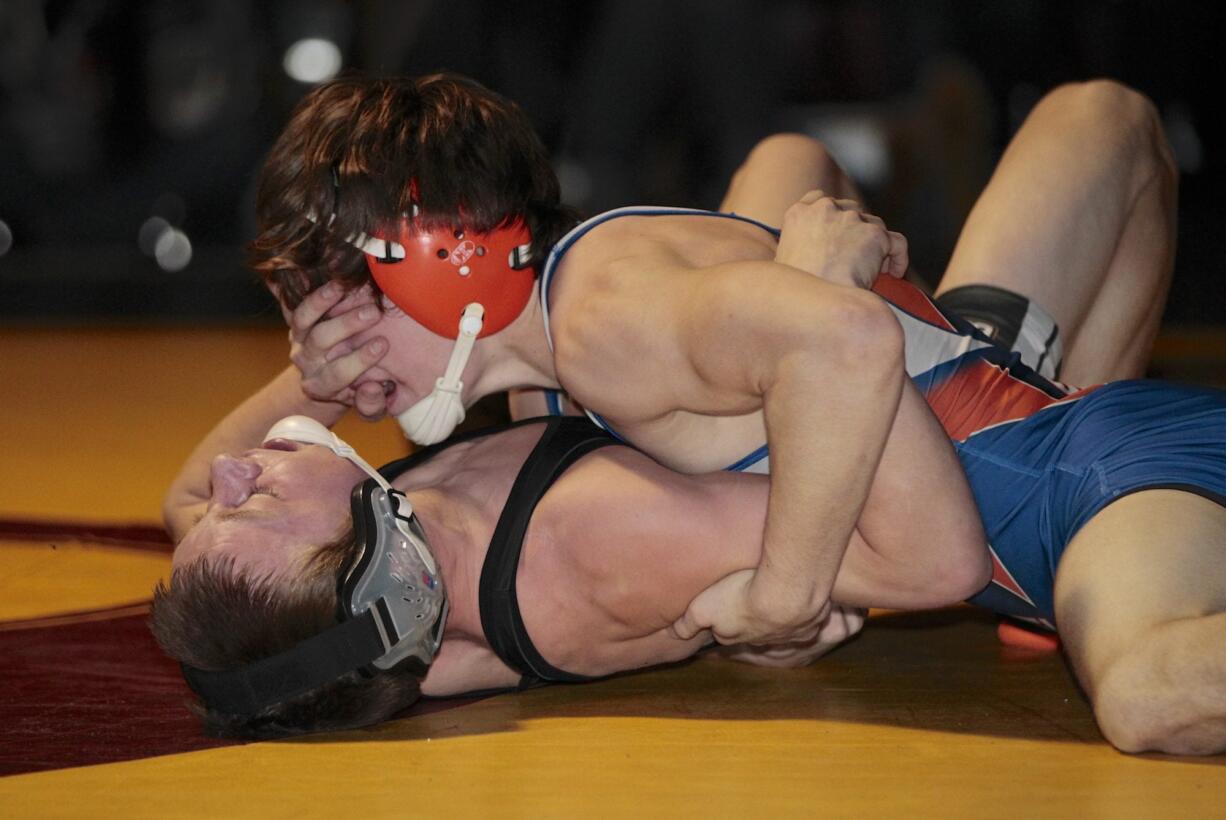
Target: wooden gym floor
pixel 922 716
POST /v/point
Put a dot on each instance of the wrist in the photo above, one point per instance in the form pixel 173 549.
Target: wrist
pixel 300 402
pixel 786 596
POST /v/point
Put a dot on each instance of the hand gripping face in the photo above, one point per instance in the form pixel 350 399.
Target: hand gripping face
pixel 392 604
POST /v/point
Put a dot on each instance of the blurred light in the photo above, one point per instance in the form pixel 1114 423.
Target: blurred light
pixel 860 143
pixel 173 250
pixel 312 60
pixel 150 233
pixel 6 238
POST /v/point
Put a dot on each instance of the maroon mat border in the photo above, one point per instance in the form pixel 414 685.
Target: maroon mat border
pixel 136 536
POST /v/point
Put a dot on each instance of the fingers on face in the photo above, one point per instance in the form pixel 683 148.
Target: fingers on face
pixel 347 369
pixel 312 308
pixel 331 332
pixel 326 303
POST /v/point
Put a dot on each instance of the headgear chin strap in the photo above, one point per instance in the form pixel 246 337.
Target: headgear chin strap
pixel 392 604
pixel 436 416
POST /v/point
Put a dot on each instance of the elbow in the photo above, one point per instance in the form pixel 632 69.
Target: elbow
pixel 962 574
pixel 859 332
pixel 955 568
pixel 972 574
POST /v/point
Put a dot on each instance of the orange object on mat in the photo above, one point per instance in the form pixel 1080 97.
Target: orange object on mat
pixel 1012 634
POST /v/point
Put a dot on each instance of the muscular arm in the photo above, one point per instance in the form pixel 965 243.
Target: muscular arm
pixel 242 429
pixel 920 540
pixel 823 363
pixel 638 541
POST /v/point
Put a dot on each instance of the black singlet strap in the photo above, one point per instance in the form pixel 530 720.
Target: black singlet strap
pixel 419 457
pixel 566 439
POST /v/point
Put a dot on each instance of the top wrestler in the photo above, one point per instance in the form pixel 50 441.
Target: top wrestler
pixel 734 363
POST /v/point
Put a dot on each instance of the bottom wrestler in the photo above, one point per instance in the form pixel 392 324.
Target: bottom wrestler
pixel 567 555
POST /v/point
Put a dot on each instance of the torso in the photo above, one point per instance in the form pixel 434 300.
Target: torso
pixel 968 382
pixel 593 601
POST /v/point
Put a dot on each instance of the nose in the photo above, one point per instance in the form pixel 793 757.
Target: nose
pixel 232 480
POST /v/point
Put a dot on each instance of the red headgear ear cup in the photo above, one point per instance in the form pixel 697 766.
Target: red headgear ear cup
pixel 447 268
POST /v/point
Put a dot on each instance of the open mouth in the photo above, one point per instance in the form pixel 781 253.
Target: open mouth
pixel 282 444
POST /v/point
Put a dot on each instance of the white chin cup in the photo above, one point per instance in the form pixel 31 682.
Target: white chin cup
pixel 306 430
pixel 435 417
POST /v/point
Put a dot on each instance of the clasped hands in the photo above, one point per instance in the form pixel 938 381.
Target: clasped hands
pixel 763 625
pixel 836 240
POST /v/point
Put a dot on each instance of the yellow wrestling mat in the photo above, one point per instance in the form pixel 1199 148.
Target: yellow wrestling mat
pixel 923 716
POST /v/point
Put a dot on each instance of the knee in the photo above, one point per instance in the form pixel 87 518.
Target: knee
pixel 1138 709
pixel 1125 117
pixel 792 149
pixel 1122 713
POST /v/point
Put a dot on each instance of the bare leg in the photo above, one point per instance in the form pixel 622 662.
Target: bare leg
pixel 779 171
pixel 1141 608
pixel 1079 217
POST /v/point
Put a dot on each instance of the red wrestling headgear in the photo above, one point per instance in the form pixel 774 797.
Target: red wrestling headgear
pixel 433 275
pixel 457 283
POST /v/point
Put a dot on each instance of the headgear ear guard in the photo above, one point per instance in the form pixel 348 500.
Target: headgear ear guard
pixel 391 607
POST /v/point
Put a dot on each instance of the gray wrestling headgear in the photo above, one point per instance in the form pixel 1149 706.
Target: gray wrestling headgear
pixel 391 601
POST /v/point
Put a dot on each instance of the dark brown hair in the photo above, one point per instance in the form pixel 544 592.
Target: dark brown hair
pixel 213 616
pixel 464 154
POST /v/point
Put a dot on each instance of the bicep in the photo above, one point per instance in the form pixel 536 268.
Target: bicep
pixel 754 325
pixel 707 340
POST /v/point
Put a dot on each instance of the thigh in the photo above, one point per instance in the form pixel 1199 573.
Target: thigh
pixel 1048 223
pixel 1148 559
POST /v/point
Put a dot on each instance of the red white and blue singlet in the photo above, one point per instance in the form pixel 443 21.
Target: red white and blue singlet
pixel 1041 458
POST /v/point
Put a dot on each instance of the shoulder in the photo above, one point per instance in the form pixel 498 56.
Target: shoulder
pixel 463 666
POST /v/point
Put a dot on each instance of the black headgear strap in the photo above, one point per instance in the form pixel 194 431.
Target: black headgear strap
pixel 319 660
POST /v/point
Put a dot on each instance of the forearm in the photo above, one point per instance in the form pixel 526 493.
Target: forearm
pixel 828 416
pixel 242 429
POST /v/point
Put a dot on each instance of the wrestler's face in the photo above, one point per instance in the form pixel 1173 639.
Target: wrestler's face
pixel 268 508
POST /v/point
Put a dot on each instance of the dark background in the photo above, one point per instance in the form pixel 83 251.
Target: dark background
pixel 125 123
